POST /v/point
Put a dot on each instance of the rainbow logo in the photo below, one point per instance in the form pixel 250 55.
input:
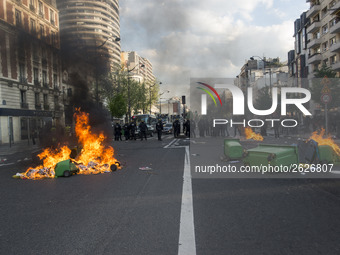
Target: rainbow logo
pixel 209 93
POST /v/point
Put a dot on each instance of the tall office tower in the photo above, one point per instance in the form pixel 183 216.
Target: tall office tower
pixel 92 26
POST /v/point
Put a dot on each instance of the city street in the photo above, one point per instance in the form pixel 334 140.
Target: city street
pixel 138 211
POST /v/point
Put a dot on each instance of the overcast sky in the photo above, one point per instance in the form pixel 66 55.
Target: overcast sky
pixel 199 38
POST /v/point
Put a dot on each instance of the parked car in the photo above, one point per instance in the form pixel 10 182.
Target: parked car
pixel 167 128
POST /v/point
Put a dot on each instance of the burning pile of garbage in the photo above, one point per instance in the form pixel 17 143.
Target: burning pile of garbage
pixel 93 157
pixel 250 134
pixel 319 138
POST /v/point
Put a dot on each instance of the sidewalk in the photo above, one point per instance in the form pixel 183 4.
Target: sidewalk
pixel 22 146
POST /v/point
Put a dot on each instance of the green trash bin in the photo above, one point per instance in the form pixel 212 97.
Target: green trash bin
pixel 327 155
pixel 233 150
pixel 275 155
pixel 65 168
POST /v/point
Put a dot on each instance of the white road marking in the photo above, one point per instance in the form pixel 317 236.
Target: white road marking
pixel 8 164
pixel 170 144
pixel 187 243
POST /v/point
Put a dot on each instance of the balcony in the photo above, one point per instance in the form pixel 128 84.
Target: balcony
pixel 314 58
pixel 24 105
pixel 44 62
pixel 336 66
pixel 313 10
pixel 46 107
pixel 314 43
pixel 335 47
pixel 314 27
pixel 335 29
pixel 22 79
pixel 335 8
pixel 45 85
pixel 37 83
pixel 32 8
pixel 38 106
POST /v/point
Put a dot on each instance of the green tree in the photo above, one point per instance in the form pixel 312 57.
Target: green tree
pixel 118 106
pixel 264 99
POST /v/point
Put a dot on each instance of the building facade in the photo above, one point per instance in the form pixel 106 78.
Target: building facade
pixel 30 75
pixel 140 68
pixel 323 35
pixel 93 25
pixel 297 58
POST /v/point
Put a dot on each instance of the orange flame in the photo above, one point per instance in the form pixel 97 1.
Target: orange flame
pixel 325 141
pixel 250 134
pixel 94 157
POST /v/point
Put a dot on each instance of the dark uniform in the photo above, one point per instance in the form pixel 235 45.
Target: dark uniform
pixel 176 128
pixel 142 129
pixel 118 130
pixel 187 128
pixel 159 128
pixel 132 129
pixel 126 129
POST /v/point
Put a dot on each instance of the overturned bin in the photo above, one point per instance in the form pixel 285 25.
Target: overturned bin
pixel 327 155
pixel 275 155
pixel 65 168
pixel 232 149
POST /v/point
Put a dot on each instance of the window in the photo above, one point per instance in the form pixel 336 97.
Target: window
pixel 23 96
pixel 316 35
pixel 22 77
pixel 32 5
pixel 332 22
pixel 18 18
pixel 42 31
pixel 44 77
pixel 37 98
pixel 325 29
pixel 41 8
pixel 332 3
pixel 45 98
pixel 332 41
pixel 333 59
pixel 324 12
pixel 325 62
pixel 55 81
pixel 36 76
pixel 325 46
pixel 304 45
pixel 52 17
pixel 53 38
pixel 32 26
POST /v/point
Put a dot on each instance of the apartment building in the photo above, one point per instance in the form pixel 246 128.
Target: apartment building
pixel 297 58
pixel 140 69
pixel 30 75
pixel 92 25
pixel 323 35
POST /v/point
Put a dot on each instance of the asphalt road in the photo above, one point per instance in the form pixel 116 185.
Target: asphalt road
pixel 133 211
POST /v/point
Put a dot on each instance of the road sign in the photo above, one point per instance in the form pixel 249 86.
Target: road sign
pixel 325 90
pixel 326 98
pixel 325 80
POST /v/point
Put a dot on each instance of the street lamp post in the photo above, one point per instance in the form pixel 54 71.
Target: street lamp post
pixel 117 39
pixel 160 101
pixel 150 93
pixel 264 68
pixel 129 101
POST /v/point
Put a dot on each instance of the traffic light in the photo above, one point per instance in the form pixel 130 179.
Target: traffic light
pixel 183 99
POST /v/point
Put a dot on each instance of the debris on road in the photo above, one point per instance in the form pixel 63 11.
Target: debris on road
pixel 145 168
